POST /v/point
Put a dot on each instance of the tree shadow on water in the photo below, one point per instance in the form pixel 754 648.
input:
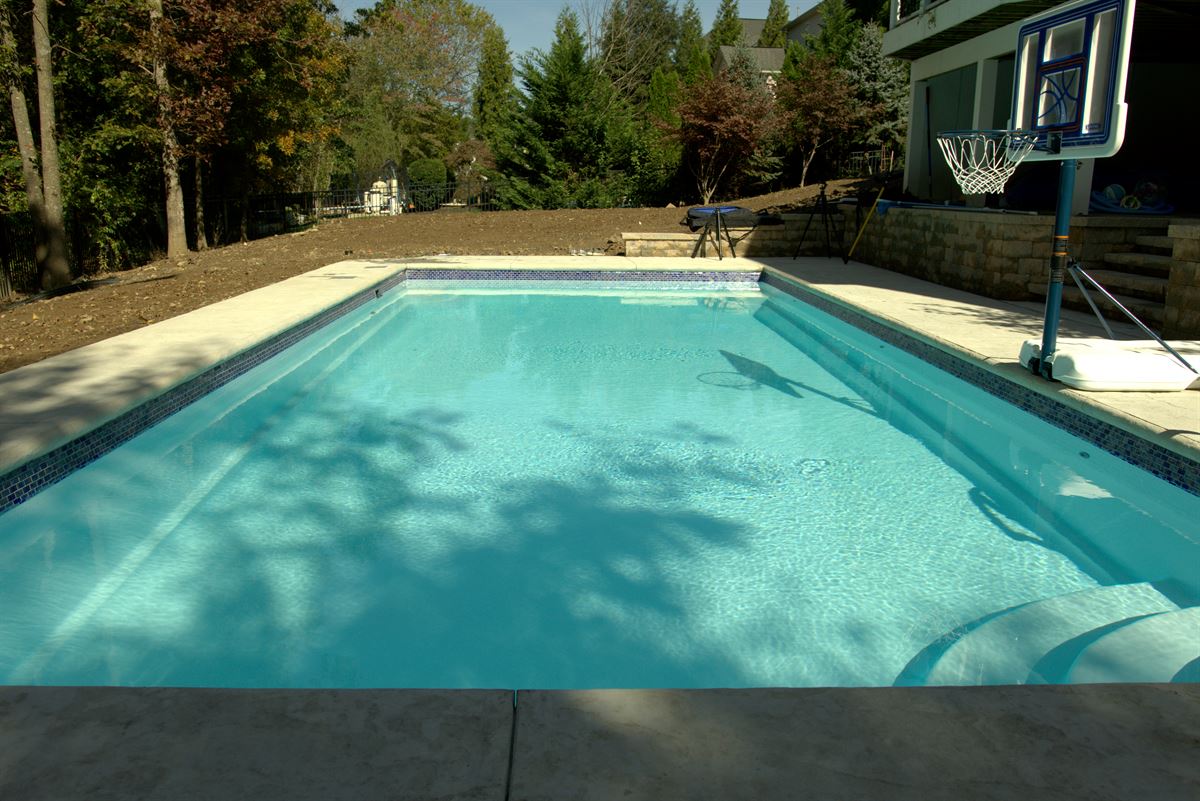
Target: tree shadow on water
pixel 349 557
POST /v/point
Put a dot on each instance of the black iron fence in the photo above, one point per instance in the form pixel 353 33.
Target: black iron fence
pixel 18 267
pixel 865 163
pixel 233 219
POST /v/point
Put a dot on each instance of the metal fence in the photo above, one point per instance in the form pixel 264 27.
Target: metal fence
pixel 18 267
pixel 865 163
pixel 232 219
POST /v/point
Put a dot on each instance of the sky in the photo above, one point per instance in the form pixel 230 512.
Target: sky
pixel 530 23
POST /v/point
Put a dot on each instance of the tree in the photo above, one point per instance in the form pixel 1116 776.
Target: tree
pixel 692 61
pixel 412 68
pixel 43 185
pixel 722 123
pixel 819 106
pixel 495 94
pixel 726 30
pixel 774 32
pixel 839 30
pixel 881 86
pixel 564 98
pixel 637 38
pixel 158 48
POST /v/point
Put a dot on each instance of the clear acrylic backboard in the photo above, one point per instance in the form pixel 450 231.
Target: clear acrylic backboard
pixel 1070 76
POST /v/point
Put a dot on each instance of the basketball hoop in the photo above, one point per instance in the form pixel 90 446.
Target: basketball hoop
pixel 983 161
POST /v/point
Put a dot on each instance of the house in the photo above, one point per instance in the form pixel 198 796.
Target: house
pixel 769 60
pixel 962 57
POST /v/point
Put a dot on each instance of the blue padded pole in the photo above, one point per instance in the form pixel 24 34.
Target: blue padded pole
pixel 1058 264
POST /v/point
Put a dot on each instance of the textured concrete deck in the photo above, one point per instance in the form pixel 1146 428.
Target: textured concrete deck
pixel 978 743
pixel 1094 742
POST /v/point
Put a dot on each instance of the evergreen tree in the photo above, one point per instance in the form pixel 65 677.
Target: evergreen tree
pixel 839 30
pixel 881 85
pixel 495 94
pixel 560 85
pixel 692 61
pixel 573 131
pixel 792 56
pixel 774 32
pixel 726 29
pixel 870 11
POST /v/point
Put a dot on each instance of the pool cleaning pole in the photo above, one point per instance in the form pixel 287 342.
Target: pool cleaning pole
pixel 1058 265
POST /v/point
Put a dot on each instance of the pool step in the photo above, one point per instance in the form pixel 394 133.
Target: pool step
pixel 1005 647
pixel 1154 649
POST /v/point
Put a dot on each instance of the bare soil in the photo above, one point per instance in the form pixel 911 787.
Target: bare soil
pixel 35 328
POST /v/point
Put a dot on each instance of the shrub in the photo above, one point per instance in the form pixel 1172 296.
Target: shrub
pixel 427 171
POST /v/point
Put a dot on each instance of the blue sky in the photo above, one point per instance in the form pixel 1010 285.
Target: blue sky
pixel 530 23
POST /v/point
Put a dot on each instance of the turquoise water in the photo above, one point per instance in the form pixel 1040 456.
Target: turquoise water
pixel 570 489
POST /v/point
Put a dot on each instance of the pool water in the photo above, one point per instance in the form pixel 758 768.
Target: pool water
pixel 573 488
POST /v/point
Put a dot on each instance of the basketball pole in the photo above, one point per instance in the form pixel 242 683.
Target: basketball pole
pixel 1058 265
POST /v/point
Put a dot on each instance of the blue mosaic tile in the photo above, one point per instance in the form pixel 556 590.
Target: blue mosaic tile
pixel 607 276
pixel 1166 464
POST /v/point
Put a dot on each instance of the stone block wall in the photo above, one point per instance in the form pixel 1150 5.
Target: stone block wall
pixel 766 240
pixel 1004 256
pixel 997 255
pixel 1182 316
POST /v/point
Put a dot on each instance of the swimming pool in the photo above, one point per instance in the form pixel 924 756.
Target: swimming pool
pixel 581 486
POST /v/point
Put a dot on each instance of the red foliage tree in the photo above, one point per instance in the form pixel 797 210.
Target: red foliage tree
pixel 818 105
pixel 721 123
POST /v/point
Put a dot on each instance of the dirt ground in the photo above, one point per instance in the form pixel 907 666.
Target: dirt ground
pixel 34 328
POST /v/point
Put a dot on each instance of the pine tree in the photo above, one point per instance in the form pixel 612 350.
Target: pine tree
pixel 692 61
pixel 881 85
pixel 839 30
pixel 726 29
pixel 495 94
pixel 793 54
pixel 774 32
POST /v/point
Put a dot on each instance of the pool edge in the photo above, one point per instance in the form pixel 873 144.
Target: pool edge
pixel 1139 445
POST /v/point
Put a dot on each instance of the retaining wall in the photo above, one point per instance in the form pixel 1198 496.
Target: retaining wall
pixel 1182 320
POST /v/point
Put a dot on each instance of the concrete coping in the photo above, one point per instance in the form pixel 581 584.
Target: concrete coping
pixel 1069 743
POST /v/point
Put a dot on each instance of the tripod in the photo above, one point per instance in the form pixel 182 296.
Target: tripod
pixel 823 208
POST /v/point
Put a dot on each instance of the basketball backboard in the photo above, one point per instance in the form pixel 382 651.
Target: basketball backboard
pixel 1069 79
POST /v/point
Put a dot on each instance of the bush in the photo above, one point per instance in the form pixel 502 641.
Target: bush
pixel 427 171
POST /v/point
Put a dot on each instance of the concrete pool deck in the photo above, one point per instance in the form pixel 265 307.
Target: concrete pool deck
pixel 1061 742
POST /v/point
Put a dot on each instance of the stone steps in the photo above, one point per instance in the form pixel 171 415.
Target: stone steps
pixel 1155 244
pixel 1150 264
pixel 1149 312
pixel 1133 285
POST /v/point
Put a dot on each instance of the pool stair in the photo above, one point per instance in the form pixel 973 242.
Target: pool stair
pixel 1156 648
pixel 1091 635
